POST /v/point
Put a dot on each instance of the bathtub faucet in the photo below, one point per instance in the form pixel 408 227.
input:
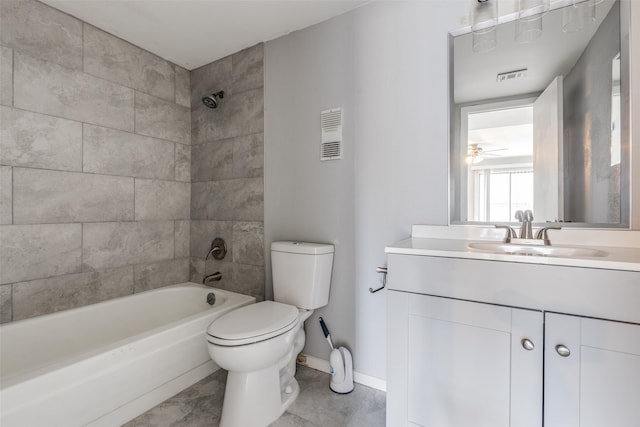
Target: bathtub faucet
pixel 212 277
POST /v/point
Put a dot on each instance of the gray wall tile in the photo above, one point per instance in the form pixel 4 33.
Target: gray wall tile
pixel 6 195
pixel 214 199
pixel 48 88
pixel 36 251
pixel 196 269
pixel 183 163
pixel 248 156
pixel 248 243
pixel 40 30
pixel 6 76
pixel 212 161
pixel 249 200
pixel 161 200
pixel 183 87
pixel 162 119
pixel 248 68
pixel 203 233
pixel 45 296
pixel 39 141
pixel 182 230
pixel 159 274
pixel 116 60
pixel 44 196
pixel 249 280
pixel 241 114
pixel 115 152
pixel 209 78
pixel 114 244
pixel 5 304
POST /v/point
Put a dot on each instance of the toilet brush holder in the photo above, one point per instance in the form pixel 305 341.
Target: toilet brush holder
pixel 341 371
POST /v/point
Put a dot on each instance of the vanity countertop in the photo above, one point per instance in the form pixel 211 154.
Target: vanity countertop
pixel 622 248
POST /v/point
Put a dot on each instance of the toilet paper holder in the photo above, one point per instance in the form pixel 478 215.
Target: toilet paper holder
pixel 382 270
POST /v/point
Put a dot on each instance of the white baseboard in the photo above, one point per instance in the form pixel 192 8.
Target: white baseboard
pixel 323 366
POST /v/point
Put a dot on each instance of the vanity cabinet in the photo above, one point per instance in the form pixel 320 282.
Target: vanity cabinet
pixel 469 345
pixel 598 382
pixel 457 364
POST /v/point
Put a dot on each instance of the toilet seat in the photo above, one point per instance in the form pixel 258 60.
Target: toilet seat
pixel 252 323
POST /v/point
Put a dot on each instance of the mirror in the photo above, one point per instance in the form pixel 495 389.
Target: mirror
pixel 544 125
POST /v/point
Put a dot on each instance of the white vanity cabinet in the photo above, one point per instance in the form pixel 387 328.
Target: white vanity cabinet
pixel 457 363
pixel 481 343
pixel 592 372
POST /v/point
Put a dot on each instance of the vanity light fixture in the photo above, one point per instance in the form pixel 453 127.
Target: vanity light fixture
pixel 484 19
pixel 575 18
pixel 529 23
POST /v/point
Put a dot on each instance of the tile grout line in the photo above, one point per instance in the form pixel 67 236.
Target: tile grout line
pixel 96 125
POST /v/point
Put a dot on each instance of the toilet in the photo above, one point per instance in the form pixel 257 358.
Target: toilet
pixel 258 344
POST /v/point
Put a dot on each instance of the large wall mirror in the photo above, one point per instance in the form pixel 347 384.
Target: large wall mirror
pixel 544 125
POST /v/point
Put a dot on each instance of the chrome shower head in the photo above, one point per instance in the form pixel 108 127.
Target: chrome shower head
pixel 211 100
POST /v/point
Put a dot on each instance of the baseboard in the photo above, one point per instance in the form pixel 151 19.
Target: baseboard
pixel 323 366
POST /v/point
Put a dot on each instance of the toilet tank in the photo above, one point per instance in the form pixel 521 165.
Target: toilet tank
pixel 301 273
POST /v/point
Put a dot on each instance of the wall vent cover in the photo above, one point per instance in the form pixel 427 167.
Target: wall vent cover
pixel 331 140
pixel 510 75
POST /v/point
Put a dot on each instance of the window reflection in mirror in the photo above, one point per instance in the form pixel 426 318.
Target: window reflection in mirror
pixel 499 144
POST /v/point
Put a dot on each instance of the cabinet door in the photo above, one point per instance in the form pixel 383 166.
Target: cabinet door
pixel 597 383
pixel 457 364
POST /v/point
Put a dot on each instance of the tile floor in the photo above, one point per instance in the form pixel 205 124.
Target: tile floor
pixel 316 406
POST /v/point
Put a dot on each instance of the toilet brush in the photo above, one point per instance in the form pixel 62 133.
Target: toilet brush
pixel 341 365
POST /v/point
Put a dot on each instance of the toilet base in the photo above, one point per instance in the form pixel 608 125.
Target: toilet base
pixel 254 399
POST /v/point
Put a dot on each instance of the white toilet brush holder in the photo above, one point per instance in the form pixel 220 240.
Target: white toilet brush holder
pixel 341 365
pixel 341 371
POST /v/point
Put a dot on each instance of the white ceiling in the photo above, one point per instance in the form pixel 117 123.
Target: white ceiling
pixel 192 33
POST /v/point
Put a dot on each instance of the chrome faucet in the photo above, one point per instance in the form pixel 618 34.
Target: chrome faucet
pixel 525 229
pixel 217 276
pixel 544 236
pixel 511 234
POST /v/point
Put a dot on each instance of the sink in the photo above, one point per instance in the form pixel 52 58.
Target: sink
pixel 535 250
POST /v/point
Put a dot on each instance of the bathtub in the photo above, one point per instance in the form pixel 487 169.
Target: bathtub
pixel 104 364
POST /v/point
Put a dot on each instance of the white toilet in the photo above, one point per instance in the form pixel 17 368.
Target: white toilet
pixel 258 344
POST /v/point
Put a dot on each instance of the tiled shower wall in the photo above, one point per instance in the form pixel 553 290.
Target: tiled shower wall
pixel 227 190
pixel 95 151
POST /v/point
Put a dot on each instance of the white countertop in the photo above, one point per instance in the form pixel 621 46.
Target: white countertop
pixel 453 242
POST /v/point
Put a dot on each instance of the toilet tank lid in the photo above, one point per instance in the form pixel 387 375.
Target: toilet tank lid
pixel 302 248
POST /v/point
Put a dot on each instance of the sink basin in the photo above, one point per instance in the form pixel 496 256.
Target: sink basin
pixel 533 250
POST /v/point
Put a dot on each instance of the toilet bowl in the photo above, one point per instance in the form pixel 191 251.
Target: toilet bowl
pixel 258 344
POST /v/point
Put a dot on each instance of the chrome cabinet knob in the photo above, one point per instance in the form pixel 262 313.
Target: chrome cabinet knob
pixel 563 350
pixel 527 344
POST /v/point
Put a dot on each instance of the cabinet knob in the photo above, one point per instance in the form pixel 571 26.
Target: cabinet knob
pixel 527 344
pixel 563 350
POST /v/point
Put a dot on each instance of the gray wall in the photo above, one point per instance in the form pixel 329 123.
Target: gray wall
pixel 388 68
pixel 593 186
pixel 227 190
pixel 94 148
pixel 306 199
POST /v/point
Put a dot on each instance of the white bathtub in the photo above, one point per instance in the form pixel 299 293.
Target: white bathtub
pixel 104 364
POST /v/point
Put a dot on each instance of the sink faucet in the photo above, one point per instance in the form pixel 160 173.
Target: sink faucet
pixel 543 235
pixel 525 229
pixel 511 234
pixel 212 277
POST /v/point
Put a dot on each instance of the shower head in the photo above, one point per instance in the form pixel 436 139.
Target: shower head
pixel 211 100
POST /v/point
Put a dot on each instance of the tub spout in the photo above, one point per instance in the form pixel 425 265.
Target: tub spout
pixel 212 277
